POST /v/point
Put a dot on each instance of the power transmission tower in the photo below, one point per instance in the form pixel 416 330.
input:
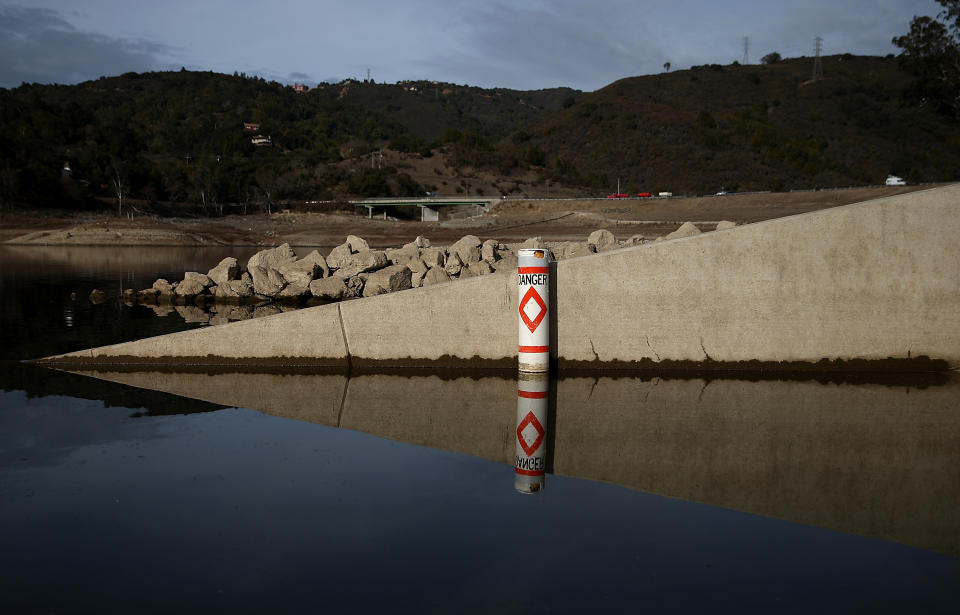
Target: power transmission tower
pixel 746 50
pixel 368 75
pixel 817 61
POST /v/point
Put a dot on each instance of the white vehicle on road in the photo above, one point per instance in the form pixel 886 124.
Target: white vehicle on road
pixel 893 180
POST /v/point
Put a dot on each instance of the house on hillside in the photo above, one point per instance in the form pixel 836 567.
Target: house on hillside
pixel 251 127
pixel 300 88
pixel 261 141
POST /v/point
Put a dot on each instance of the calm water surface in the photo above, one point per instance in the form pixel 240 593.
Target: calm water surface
pixel 204 492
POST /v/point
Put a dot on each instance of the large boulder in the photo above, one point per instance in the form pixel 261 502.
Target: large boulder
pixel 357 244
pixel 264 269
pixel 338 256
pixel 490 251
pixel 433 257
pixel 305 270
pixel 333 288
pixel 534 243
pixel 399 256
pixel 573 249
pixel 724 225
pixel 467 248
pixel 454 264
pixel 226 270
pixel 362 262
pixel 189 288
pixel 164 291
pixel 687 229
pixel 273 258
pixel 603 240
pixel 475 269
pixel 388 280
pixel 436 275
pixel 199 277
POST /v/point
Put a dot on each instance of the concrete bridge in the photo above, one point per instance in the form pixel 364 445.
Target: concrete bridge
pixel 865 286
pixel 428 205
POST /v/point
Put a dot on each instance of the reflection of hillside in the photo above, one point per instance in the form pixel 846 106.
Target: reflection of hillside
pixel 867 459
pixel 99 260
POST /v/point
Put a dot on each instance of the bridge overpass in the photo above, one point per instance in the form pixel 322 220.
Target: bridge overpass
pixel 428 205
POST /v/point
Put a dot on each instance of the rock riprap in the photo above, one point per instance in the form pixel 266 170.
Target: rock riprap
pixel 277 279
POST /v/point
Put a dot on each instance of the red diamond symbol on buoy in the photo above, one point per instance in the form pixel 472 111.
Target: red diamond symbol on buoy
pixel 530 421
pixel 532 295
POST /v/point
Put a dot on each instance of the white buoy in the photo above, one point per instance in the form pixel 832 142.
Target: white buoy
pixel 533 390
pixel 533 292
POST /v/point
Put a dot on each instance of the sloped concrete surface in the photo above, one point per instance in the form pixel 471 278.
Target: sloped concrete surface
pixel 869 281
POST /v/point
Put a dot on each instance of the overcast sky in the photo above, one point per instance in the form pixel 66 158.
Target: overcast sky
pixel 510 43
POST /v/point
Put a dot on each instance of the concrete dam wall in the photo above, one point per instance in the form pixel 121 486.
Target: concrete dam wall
pixel 873 281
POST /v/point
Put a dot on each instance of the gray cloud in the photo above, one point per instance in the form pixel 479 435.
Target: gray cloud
pixel 39 45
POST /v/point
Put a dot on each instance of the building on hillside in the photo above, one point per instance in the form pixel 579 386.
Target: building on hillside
pixel 300 88
pixel 261 141
pixel 251 127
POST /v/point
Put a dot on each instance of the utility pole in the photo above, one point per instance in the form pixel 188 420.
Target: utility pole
pixel 817 61
pixel 746 50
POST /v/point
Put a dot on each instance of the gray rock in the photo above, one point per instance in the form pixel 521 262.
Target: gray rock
pixel 294 291
pixel 433 257
pixel 305 270
pixel 189 288
pixel 363 262
pixel 687 229
pixel 454 264
pixel 266 282
pixel 332 288
pixel 419 242
pixel 467 248
pixel 354 286
pixel 490 251
pixel 388 280
pixel 573 249
pixel 357 244
pixel 163 287
pixel 226 270
pixel 724 225
pixel 603 240
pixel 203 278
pixel 273 258
pixel 263 268
pixel 338 255
pixel 533 243
pixel 478 268
pixel 402 255
pixel 435 275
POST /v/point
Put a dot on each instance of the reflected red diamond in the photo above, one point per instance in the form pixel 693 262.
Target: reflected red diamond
pixel 532 295
pixel 530 421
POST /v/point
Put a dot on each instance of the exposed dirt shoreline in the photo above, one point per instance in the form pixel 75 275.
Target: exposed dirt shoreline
pixel 511 220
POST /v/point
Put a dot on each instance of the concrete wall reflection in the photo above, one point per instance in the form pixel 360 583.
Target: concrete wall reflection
pixel 862 458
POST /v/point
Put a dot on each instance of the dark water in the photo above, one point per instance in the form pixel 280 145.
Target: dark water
pixel 131 492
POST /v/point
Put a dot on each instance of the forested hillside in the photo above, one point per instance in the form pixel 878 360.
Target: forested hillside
pixel 760 127
pixel 170 140
pixel 189 137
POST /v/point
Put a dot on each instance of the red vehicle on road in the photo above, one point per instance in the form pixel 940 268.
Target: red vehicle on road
pixel 618 195
pixel 644 195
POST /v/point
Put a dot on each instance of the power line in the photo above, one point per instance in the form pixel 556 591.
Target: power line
pixel 817 61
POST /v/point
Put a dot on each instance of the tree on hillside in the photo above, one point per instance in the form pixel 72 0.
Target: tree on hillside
pixel 931 52
pixel 771 58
